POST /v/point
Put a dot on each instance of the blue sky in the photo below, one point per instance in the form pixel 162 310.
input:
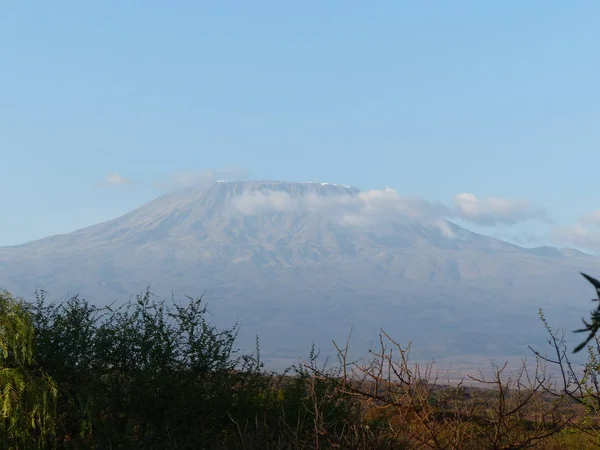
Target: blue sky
pixel 432 99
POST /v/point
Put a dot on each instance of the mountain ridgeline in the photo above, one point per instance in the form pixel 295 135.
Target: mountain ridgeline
pixel 303 262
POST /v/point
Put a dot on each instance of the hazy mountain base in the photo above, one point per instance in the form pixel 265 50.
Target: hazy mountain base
pixel 300 276
pixel 288 317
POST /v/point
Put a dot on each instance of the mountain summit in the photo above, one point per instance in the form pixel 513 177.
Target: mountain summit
pixel 297 262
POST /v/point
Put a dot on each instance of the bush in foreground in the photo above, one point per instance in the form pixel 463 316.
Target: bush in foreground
pixel 151 376
pixel 27 394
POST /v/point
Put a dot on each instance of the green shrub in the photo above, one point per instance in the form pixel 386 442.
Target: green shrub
pixel 27 395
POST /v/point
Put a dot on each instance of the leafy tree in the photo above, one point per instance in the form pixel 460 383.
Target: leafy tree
pixel 27 395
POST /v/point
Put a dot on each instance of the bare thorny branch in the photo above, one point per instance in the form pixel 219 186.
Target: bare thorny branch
pixel 422 413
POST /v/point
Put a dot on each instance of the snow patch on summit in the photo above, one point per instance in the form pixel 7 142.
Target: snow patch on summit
pixel 330 184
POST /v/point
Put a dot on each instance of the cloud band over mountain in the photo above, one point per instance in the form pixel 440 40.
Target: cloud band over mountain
pixel 376 206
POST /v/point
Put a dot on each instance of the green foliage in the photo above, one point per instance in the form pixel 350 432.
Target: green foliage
pixel 27 395
pixel 147 375
pixel 594 324
pixel 142 374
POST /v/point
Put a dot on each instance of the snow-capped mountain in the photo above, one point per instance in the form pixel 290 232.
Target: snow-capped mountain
pixel 297 262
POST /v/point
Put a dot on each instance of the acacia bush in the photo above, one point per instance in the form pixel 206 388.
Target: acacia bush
pixel 577 384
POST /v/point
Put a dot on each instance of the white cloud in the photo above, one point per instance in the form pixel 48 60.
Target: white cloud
pixel 491 211
pixel 190 178
pixel 380 206
pixel 585 233
pixel 264 203
pixel 115 179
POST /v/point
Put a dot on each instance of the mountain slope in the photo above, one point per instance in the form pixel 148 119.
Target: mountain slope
pixel 303 261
